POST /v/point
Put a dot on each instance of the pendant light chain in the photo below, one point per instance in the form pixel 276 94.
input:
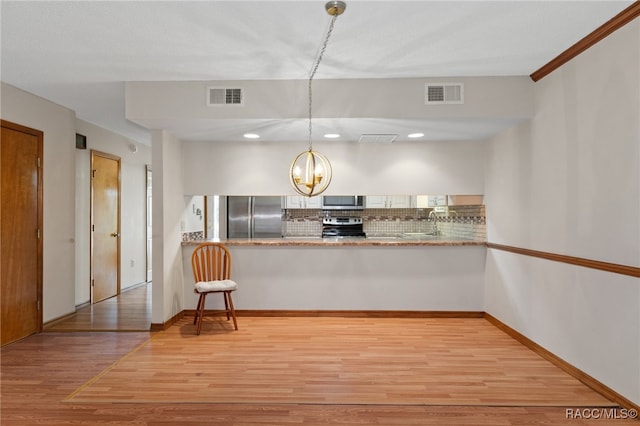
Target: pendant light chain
pixel 313 72
pixel 310 172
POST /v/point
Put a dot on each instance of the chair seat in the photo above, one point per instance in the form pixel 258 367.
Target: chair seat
pixel 217 285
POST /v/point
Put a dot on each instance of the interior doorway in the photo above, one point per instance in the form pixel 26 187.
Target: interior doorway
pixel 105 226
pixel 21 248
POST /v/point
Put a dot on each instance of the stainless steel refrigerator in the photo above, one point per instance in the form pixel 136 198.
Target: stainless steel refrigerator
pixel 254 217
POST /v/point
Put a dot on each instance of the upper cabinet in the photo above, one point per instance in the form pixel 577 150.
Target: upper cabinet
pixel 466 200
pixel 293 202
pixel 426 201
pixel 400 201
pixel 300 202
pixel 389 201
pixel 437 200
pixel 375 202
pixel 313 202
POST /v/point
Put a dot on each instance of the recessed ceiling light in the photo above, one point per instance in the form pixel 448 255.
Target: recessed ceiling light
pixel 251 136
pixel 332 136
pixel 416 135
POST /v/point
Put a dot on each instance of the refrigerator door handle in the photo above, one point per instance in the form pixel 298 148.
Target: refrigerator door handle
pixel 250 211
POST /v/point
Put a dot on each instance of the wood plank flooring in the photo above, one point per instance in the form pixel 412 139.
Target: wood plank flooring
pixel 291 371
pixel 339 371
pixel 386 361
pixel 129 311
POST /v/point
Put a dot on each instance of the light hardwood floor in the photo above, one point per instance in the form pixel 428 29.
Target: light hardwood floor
pixel 130 311
pixel 292 370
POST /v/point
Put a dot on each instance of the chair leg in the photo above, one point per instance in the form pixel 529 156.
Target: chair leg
pixel 201 313
pixel 226 304
pixel 195 317
pixel 233 311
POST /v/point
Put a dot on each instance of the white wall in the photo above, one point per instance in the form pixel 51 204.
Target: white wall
pixel 587 317
pixel 182 106
pixel 168 207
pixel 568 182
pixel 253 168
pixel 193 216
pixel 58 124
pixel 133 206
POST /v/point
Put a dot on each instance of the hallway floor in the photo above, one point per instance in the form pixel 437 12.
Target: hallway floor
pixel 130 311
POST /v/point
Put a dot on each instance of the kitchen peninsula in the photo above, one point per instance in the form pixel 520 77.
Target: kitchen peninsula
pixel 365 275
pixel 406 270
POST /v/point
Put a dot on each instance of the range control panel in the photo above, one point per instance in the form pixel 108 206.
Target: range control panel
pixel 342 221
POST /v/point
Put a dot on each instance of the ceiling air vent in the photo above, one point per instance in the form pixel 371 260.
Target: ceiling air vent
pixel 444 93
pixel 224 96
pixel 378 138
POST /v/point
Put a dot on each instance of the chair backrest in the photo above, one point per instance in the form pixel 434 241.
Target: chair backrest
pixel 210 262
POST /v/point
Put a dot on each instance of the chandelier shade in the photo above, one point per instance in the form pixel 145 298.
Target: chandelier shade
pixel 310 173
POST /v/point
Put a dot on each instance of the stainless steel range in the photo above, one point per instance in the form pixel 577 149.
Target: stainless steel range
pixel 342 227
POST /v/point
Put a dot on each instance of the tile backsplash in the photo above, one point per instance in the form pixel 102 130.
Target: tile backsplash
pixel 302 222
pixel 191 236
pixel 466 222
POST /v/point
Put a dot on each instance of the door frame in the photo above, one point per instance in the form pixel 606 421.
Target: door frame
pixel 148 273
pixel 95 153
pixel 39 134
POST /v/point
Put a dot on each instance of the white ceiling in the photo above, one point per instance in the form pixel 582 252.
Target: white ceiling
pixel 79 54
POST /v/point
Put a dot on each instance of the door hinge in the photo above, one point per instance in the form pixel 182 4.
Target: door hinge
pixel 93 228
pixel 38 233
pixel 93 173
pixel 38 162
pixel 93 283
pixel 38 304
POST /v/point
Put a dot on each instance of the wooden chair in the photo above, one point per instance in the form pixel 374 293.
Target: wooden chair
pixel 211 263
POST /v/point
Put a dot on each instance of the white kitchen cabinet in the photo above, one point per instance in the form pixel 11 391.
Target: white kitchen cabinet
pixel 389 201
pixel 376 201
pixel 300 202
pixel 437 200
pixel 293 202
pixel 313 202
pixel 422 201
pixel 399 201
pixel 465 200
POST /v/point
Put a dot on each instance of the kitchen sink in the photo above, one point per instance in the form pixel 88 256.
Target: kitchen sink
pixel 419 236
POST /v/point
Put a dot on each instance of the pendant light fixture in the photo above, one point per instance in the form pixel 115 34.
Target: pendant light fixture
pixel 310 171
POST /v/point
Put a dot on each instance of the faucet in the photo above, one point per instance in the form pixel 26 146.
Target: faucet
pixel 434 216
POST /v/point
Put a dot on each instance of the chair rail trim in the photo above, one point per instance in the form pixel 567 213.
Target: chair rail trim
pixel 616 268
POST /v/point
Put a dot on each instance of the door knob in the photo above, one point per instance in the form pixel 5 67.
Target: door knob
pixel 115 234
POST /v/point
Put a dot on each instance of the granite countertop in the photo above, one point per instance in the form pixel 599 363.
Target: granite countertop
pixel 390 241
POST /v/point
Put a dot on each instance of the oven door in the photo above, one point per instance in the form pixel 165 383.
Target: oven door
pixel 342 202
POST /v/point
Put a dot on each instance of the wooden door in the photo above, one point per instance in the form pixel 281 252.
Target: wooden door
pixel 21 228
pixel 105 226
